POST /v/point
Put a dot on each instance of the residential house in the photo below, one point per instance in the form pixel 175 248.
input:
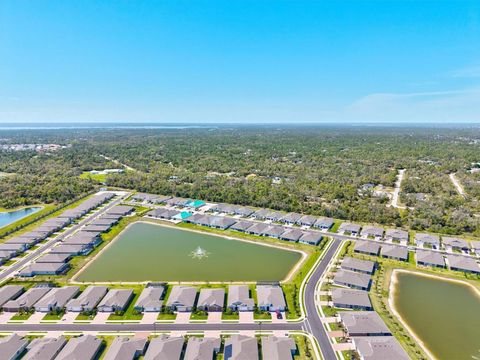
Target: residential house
pixel 372 232
pixel 257 229
pixel 85 347
pixel 165 348
pixel 202 348
pixel 211 299
pixel 427 240
pixel 53 258
pixel 261 214
pixel 88 299
pixel 71 249
pixel 115 300
pixel 354 264
pixel 397 235
pixel 239 298
pixel 270 298
pixel 349 229
pixel 124 348
pixel 45 348
pixel 182 298
pixel 310 238
pixel 12 347
pixel 429 258
pixel 150 300
pixel 273 231
pixel 244 211
pixel 242 225
pixel 44 269
pixel 452 244
pixel 367 247
pixel 56 299
pixel 238 347
pixel 292 235
pixel 307 220
pixel 290 218
pixel 278 348
pixel 463 263
pixel 351 299
pixel 475 247
pixel 323 223
pixel 363 323
pixel 379 347
pixel 395 252
pixel 354 280
pixel 9 292
pixel 27 300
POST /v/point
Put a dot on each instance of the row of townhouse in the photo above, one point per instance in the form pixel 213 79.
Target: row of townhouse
pixel 355 273
pixel 423 257
pixel 88 347
pixel 17 245
pixel 56 261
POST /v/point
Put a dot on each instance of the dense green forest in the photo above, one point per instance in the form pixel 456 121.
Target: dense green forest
pixel 343 172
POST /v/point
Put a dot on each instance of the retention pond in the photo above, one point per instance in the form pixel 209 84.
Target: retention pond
pixel 9 217
pixel 149 252
pixel 444 315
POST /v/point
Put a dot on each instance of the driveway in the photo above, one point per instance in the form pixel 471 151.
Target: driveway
pixel 101 318
pixel 246 317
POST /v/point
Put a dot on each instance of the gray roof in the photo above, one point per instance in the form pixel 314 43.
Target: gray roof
pixel 270 295
pixel 164 348
pixel 96 228
pixel 53 258
pixel 240 347
pixel 278 348
pixel 89 298
pixel 397 234
pixel 242 225
pixel 11 345
pixel 82 237
pixel 367 246
pixel 350 227
pixel 42 268
pixel 380 348
pixel 150 297
pixel 349 297
pixel 84 347
pixel 211 297
pixel 239 295
pixel 358 265
pixel 7 254
pixel 258 228
pixel 363 323
pixel 292 234
pixel 427 238
pixel 311 237
pixel 124 348
pixel 400 252
pixel 27 299
pixel 201 348
pixel 372 231
pixel 307 220
pixel 430 257
pixel 68 249
pixel 19 240
pixel 262 213
pixel 275 215
pixel 273 230
pixel 11 247
pixel 351 278
pixel 324 222
pixel 291 217
pixel 463 263
pixel 475 245
pixel 182 295
pixel 116 298
pixel 45 348
pixel 9 292
pixel 455 242
pixel 57 297
pixel 244 211
pixel 219 221
pixel 120 209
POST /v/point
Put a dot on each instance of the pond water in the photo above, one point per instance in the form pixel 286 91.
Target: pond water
pixel 9 217
pixel 144 252
pixel 444 315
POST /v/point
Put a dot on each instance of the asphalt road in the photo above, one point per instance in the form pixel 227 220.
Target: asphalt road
pixel 313 322
pixel 11 270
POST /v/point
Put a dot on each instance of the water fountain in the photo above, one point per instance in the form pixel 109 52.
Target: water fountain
pixel 199 253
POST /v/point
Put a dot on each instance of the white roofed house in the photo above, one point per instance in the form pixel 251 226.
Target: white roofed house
pixel 12 347
pixel 349 229
pixel 239 298
pixel 397 235
pixel 56 299
pixel 452 244
pixel 211 299
pixel 427 240
pixel 202 348
pixel 238 347
pixel 372 232
pixel 124 348
pixel 274 231
pixel 150 300
pixel 116 300
pixel 182 298
pixel 165 348
pixel 310 238
pixel 88 299
pixel 270 298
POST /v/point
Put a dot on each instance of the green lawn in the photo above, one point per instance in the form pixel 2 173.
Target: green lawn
pixel 231 316
pixel 23 316
pixel 166 316
pixel 262 315
pixel 101 178
pixel 53 316
pixel 199 315
pixel 130 313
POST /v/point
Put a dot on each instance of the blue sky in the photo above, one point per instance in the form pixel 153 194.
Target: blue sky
pixel 239 61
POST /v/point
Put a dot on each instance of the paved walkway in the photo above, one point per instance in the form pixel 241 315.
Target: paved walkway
pixel 343 346
pixel 329 320
pixel 35 318
pixel 336 333
pixel 282 319
pixel 101 318
pixel 149 317
pixel 6 316
pixel 246 317
pixel 214 317
pixel 183 318
pixel 69 317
